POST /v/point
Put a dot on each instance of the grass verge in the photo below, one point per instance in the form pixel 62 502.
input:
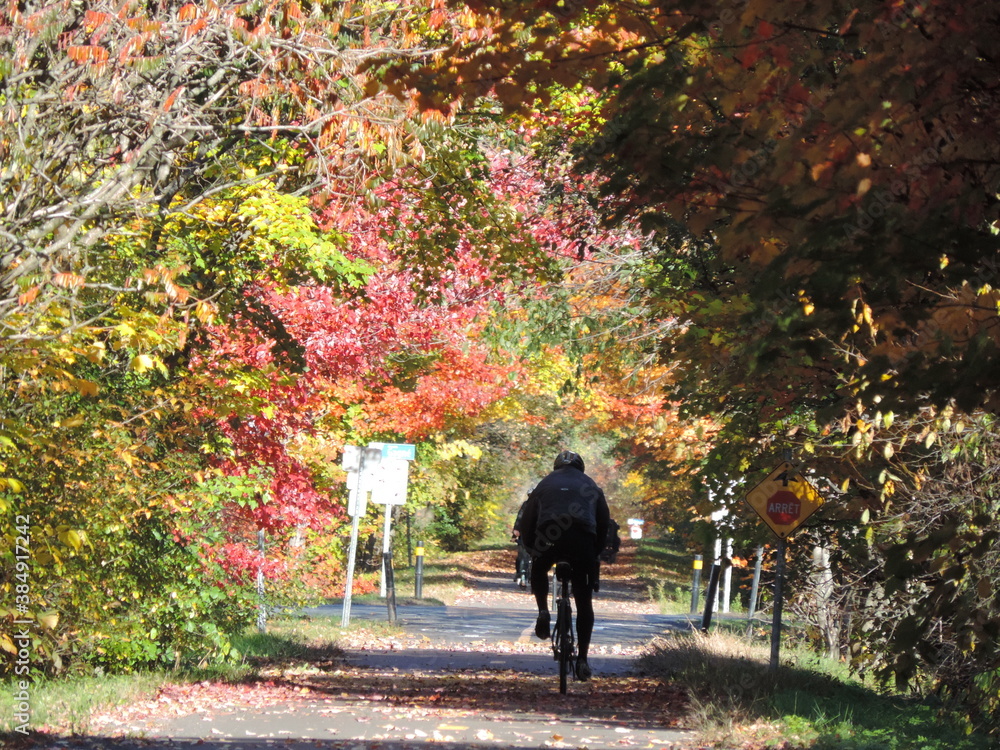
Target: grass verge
pixel 442 583
pixel 808 702
pixel 664 567
pixel 65 705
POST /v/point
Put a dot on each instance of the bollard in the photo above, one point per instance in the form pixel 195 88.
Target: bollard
pixel 418 576
pixel 695 583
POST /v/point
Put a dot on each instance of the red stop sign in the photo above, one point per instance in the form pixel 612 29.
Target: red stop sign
pixel 783 507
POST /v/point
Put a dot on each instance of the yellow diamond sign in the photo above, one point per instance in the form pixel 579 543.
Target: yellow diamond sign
pixel 784 500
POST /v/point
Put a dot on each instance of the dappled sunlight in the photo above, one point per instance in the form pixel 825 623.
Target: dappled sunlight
pixel 394 705
pixel 420 680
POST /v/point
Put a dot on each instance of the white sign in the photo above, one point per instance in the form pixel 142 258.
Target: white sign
pixel 379 469
pixel 370 464
pixel 635 522
pixel 635 531
pixel 351 460
pixel 362 467
pixel 390 489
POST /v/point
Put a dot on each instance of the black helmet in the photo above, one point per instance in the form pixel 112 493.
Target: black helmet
pixel 568 458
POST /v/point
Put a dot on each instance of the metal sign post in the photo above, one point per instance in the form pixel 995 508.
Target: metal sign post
pixel 345 618
pixel 360 465
pixel 386 531
pixel 779 597
pixel 381 470
pixel 783 501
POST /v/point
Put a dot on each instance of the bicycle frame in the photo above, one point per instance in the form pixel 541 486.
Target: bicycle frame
pixel 563 645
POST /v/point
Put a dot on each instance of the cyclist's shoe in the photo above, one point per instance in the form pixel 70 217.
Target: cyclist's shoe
pixel 582 669
pixel 542 626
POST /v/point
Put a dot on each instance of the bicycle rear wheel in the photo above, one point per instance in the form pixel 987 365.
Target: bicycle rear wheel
pixel 564 644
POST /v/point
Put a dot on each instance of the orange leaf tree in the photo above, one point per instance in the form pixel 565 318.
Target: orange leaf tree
pixel 817 187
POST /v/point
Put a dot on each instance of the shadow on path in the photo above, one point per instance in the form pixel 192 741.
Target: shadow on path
pixel 454 677
pixel 367 708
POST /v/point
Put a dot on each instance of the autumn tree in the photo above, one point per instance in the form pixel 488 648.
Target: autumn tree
pixel 160 166
pixel 817 185
pixel 254 265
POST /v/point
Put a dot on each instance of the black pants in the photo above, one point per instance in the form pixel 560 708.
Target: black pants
pixel 579 551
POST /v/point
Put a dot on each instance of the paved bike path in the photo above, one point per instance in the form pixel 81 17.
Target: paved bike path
pixel 479 679
pixel 467 637
pixel 339 723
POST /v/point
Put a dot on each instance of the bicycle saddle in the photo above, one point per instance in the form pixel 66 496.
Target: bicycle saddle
pixel 564 571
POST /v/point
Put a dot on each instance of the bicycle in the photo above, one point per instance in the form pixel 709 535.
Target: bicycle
pixel 523 574
pixel 563 645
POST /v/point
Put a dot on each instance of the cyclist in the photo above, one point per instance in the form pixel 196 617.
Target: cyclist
pixel 610 552
pixel 522 567
pixel 563 518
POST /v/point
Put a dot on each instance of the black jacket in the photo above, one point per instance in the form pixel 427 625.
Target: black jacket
pixel 566 497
